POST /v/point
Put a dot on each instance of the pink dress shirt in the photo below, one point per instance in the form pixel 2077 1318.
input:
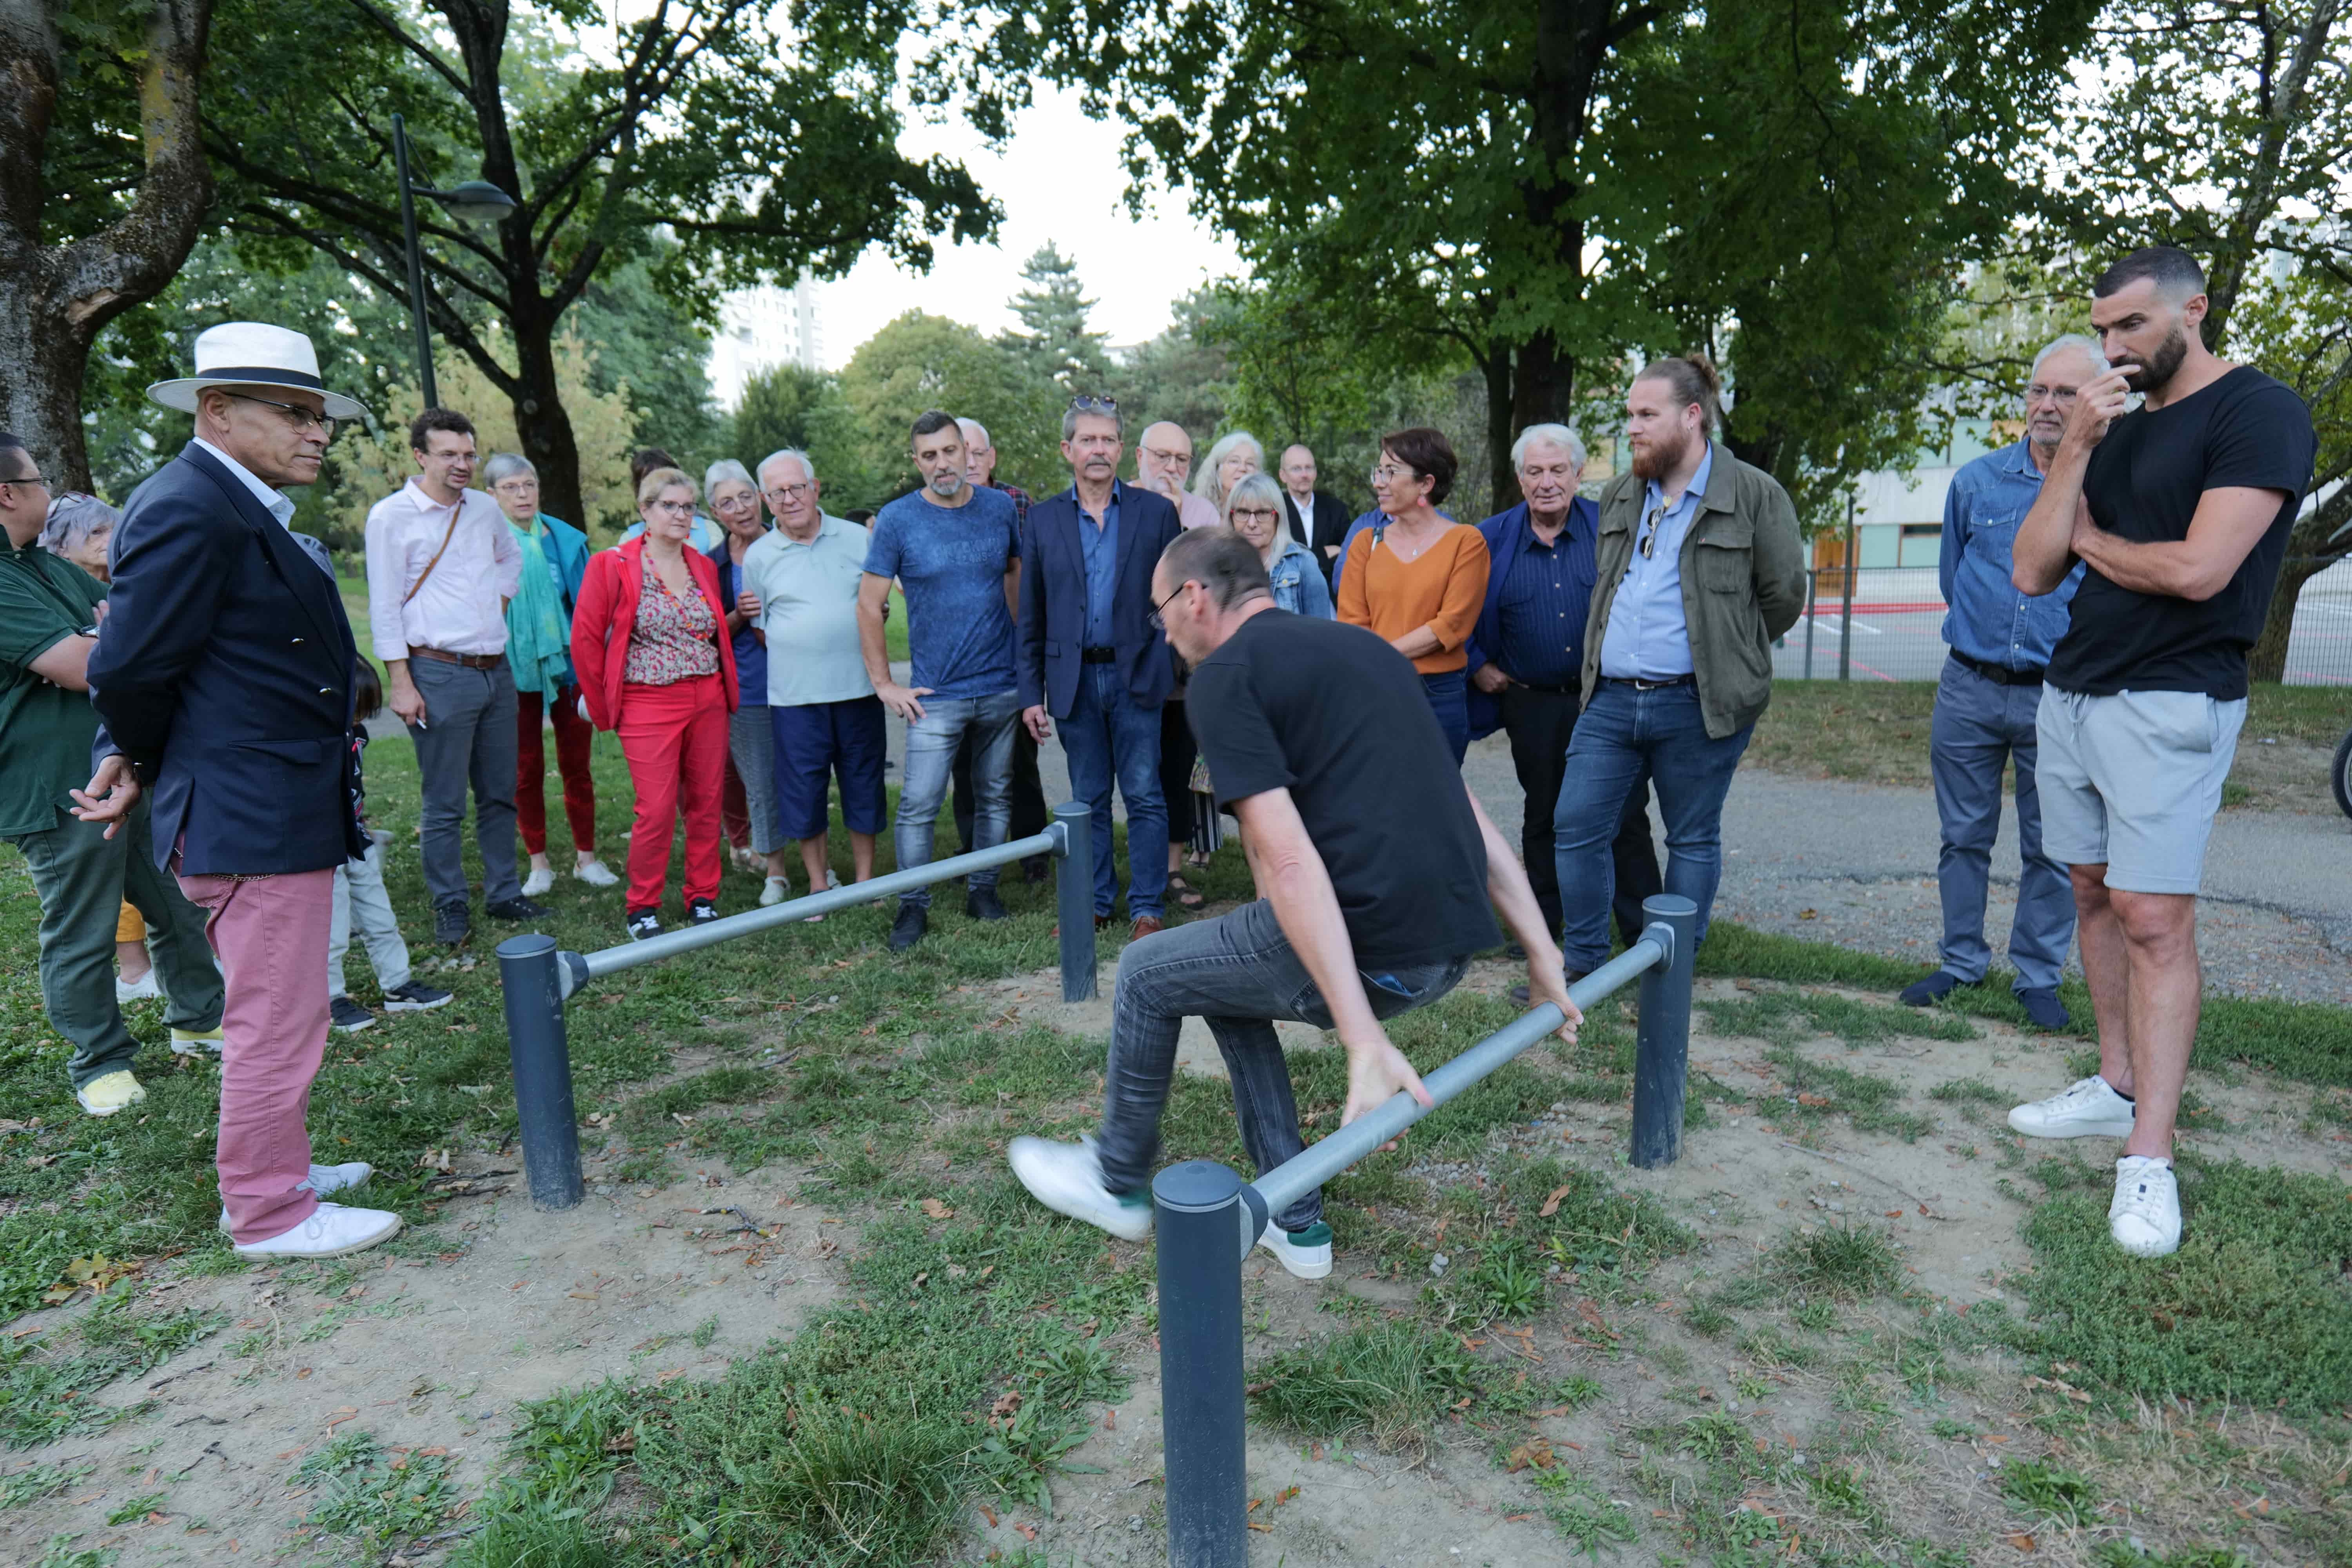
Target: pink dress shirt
pixel 461 608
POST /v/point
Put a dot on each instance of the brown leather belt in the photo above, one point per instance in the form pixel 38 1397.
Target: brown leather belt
pixel 470 660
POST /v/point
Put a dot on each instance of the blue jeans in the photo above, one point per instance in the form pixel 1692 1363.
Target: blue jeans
pixel 1449 698
pixel 931 742
pixel 1621 734
pixel 1980 725
pixel 1239 973
pixel 1109 736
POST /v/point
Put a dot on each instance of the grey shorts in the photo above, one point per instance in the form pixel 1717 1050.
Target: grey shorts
pixel 2131 781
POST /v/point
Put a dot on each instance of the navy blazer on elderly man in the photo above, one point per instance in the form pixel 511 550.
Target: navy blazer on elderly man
pixel 1050 647
pixel 224 673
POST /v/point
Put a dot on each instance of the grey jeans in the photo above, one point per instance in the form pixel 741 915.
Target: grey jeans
pixel 1978 726
pixel 1238 972
pixel 467 738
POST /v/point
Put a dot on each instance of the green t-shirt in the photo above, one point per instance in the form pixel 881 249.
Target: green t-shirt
pixel 45 731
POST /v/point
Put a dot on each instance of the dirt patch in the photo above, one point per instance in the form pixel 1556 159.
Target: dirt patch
pixel 428 1350
pixel 1760 1171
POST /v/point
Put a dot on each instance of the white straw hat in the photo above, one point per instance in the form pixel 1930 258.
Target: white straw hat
pixel 251 354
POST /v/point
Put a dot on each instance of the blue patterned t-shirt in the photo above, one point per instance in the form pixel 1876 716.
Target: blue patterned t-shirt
pixel 951 561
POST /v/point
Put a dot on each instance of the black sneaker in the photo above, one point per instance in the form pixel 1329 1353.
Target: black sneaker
pixel 2043 1007
pixel 516 909
pixel 414 997
pixel 701 912
pixel 452 924
pixel 347 1016
pixel 1038 868
pixel 909 928
pixel 643 923
pixel 1933 989
pixel 983 904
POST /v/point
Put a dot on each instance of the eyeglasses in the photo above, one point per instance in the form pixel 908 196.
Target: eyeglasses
pixel 675 508
pixel 737 503
pixel 1085 404
pixel 1386 474
pixel 29 479
pixel 1255 513
pixel 1649 544
pixel 789 495
pixel 298 419
pixel 516 487
pixel 1174 459
pixel 2061 395
pixel 1159 620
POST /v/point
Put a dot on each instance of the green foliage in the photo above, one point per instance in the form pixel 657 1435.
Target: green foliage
pixel 2040 1486
pixel 358 1487
pixel 1845 1263
pixel 1390 1384
pixel 1055 341
pixel 921 362
pixel 1184 375
pixel 790 406
pixel 45 1387
pixel 2252 1307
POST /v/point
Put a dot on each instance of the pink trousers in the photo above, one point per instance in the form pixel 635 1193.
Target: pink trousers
pixel 270 936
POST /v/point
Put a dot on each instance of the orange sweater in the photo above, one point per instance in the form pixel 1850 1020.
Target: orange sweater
pixel 1442 588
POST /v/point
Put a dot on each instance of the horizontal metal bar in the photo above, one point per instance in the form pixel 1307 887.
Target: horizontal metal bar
pixel 687 939
pixel 1301 1174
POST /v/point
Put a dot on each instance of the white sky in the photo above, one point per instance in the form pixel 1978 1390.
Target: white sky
pixel 1058 178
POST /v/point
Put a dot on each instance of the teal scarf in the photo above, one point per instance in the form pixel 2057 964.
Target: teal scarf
pixel 539 643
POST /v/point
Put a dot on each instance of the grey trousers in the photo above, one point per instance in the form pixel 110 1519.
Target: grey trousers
pixel 467 738
pixel 752 744
pixel 361 905
pixel 1980 725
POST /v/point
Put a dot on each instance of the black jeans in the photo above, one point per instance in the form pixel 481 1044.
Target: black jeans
pixel 1539 725
pixel 1238 972
pixel 1028 798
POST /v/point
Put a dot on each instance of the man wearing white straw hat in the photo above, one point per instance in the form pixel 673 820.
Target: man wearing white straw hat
pixel 224 675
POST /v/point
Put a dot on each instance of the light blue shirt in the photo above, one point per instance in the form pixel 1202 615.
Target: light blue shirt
pixel 1989 621
pixel 1647 638
pixel 808 612
pixel 1100 548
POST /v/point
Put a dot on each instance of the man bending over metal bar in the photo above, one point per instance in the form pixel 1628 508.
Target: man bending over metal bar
pixel 1377 867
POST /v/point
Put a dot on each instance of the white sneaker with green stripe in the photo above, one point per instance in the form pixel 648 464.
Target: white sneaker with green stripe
pixel 1306 1252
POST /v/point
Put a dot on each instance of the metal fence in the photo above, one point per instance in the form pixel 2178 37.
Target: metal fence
pixel 1892 627
pixel 1206 1220
pixel 537 979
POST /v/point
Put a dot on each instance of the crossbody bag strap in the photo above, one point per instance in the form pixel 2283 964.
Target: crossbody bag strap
pixel 454 512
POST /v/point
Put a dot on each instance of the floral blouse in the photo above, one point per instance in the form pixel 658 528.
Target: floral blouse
pixel 673 640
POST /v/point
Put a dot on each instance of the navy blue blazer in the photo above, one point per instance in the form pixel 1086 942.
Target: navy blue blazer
pixel 1051 639
pixel 224 673
pixel 1506 538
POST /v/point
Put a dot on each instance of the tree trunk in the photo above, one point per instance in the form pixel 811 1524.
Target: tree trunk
pixel 2308 554
pixel 1494 365
pixel 55 299
pixel 542 422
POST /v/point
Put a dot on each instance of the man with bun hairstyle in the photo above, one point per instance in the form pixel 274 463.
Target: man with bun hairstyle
pixel 1698 567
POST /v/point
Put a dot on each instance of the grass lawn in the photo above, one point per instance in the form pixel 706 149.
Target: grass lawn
pixel 1738 1388
pixel 1876 732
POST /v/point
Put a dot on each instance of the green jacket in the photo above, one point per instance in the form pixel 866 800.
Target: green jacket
pixel 1743 578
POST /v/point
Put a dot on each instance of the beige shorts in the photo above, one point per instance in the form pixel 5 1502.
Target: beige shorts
pixel 2131 781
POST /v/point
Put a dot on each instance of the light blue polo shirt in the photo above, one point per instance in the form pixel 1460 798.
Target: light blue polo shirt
pixel 808 610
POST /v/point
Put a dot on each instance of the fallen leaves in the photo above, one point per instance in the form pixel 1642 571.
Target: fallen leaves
pixel 1537 1453
pixel 1551 1200
pixel 937 1209
pixel 2019 1540
pixel 96 1274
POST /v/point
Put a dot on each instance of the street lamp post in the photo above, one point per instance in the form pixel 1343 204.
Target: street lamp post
pixel 475 201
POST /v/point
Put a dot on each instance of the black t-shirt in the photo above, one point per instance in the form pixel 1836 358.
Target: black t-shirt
pixel 2143 481
pixel 1337 716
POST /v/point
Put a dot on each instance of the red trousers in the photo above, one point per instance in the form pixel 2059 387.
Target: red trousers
pixel 675 737
pixel 571 737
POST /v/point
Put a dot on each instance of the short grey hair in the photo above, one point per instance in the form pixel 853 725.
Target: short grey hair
pixel 975 434
pixel 726 468
pixel 1560 436
pixel 1096 408
pixel 1205 482
pixel 73 519
pixel 504 466
pixel 780 455
pixel 2070 341
pixel 1265 491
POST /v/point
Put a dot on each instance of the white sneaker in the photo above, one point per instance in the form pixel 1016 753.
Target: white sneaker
pixel 540 880
pixel 778 889
pixel 329 1232
pixel 2144 1218
pixel 2087 1109
pixel 139 989
pixel 596 874
pixel 1067 1179
pixel 323 1180
pixel 1307 1253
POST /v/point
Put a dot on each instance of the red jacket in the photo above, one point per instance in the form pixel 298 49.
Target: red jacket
pixel 606 613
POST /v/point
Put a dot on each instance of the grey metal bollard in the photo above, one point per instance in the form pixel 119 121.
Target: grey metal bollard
pixel 1074 891
pixel 529 973
pixel 1196 1210
pixel 1662 1040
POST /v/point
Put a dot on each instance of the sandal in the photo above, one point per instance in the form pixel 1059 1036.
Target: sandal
pixel 1187 896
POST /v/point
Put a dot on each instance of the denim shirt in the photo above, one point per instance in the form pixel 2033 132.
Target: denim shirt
pixel 1298 584
pixel 1648 636
pixel 1989 621
pixel 1099 546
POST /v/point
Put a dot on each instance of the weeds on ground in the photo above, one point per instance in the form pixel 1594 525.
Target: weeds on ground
pixel 2050 1491
pixel 380 1495
pixel 45 1384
